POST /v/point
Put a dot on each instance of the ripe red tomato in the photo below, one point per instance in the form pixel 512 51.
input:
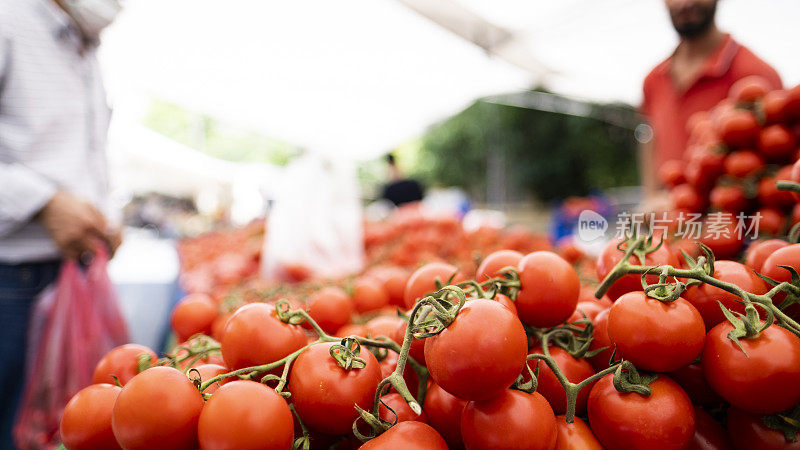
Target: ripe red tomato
pixel 206 372
pixel 549 289
pixel 507 302
pixel 738 128
pixel 758 252
pixel 383 326
pixel 749 89
pixel 629 283
pixel 693 382
pixel 575 436
pixel 754 380
pixel 662 420
pixel 777 143
pixel 494 423
pixel 672 173
pixel 771 220
pixel 245 415
pixel 768 193
pixel 407 435
pixel 590 309
pixel 788 255
pixel 742 163
pixel 774 106
pixel 576 370
pixel 685 197
pixel 443 410
pixel 331 308
pixel 159 408
pixel 323 392
pixel 423 281
pixel 793 104
pixel 747 431
pixel 600 340
pixel 722 237
pixel 491 265
pixel 402 412
pixel 368 295
pixel 122 362
pixel 394 281
pixel 254 336
pixel 794 175
pixel 86 421
pixel 708 433
pixel 193 314
pixel 495 359
pixel 728 198
pixel 218 325
pixel 705 297
pixel 674 336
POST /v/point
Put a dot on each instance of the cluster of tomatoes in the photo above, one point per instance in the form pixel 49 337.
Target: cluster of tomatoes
pixel 736 153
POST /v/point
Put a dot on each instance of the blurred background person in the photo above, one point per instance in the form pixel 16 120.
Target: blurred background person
pixel 400 189
pixel 53 175
pixel 697 76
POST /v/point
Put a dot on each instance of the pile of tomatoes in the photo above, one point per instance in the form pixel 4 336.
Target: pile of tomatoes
pixel 736 153
pixel 625 371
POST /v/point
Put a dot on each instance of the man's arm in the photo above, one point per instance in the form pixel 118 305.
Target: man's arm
pixel 25 195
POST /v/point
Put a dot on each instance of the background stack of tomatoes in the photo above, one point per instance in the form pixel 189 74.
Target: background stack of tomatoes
pixel 737 151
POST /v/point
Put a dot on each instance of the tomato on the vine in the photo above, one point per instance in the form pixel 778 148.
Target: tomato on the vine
pixel 728 198
pixel 122 362
pixel 671 173
pixel 576 370
pixel 425 279
pixel 159 408
pixel 407 436
pixel 748 431
pixel 693 382
pixel 497 347
pixel 549 289
pixel 774 106
pixel 205 372
pixel 738 128
pixel 777 143
pixel 254 336
pixel 443 411
pixel 705 297
pixel 742 163
pixel 749 89
pixel 86 420
pixel 600 340
pixel 708 433
pixel 685 196
pixel 674 332
pixel 193 314
pixel 761 376
pixel 494 262
pixel 575 436
pixel 331 308
pixel 369 295
pixel 402 412
pixel 627 421
pixel 509 420
pixel 323 392
pixel 245 415
pixel 630 283
pixel 758 252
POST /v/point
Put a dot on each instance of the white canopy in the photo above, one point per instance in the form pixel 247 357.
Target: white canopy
pixel 353 78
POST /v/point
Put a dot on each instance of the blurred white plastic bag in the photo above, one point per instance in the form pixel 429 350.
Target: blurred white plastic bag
pixel 315 223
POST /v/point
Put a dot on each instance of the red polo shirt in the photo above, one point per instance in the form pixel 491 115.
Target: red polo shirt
pixel 668 108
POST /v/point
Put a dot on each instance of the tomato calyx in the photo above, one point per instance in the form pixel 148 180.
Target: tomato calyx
pixel 747 325
pixel 663 291
pixel 304 441
pixel 185 356
pixel 628 379
pixel 346 354
pixel 787 422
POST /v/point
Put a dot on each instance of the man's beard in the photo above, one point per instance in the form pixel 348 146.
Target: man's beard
pixel 696 28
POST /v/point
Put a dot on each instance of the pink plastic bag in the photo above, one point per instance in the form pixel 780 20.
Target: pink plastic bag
pixel 72 327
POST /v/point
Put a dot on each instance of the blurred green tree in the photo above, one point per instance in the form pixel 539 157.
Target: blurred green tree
pixel 542 154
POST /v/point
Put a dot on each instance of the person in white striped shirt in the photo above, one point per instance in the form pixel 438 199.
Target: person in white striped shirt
pixel 53 175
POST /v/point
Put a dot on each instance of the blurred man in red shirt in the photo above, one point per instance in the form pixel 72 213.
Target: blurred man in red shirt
pixel 694 78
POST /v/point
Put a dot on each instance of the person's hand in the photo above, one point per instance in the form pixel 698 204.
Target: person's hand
pixel 75 225
pixel 114 240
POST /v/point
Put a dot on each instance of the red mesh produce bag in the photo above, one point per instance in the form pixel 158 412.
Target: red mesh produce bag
pixel 73 325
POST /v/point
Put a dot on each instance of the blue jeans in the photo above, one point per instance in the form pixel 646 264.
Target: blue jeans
pixel 20 284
